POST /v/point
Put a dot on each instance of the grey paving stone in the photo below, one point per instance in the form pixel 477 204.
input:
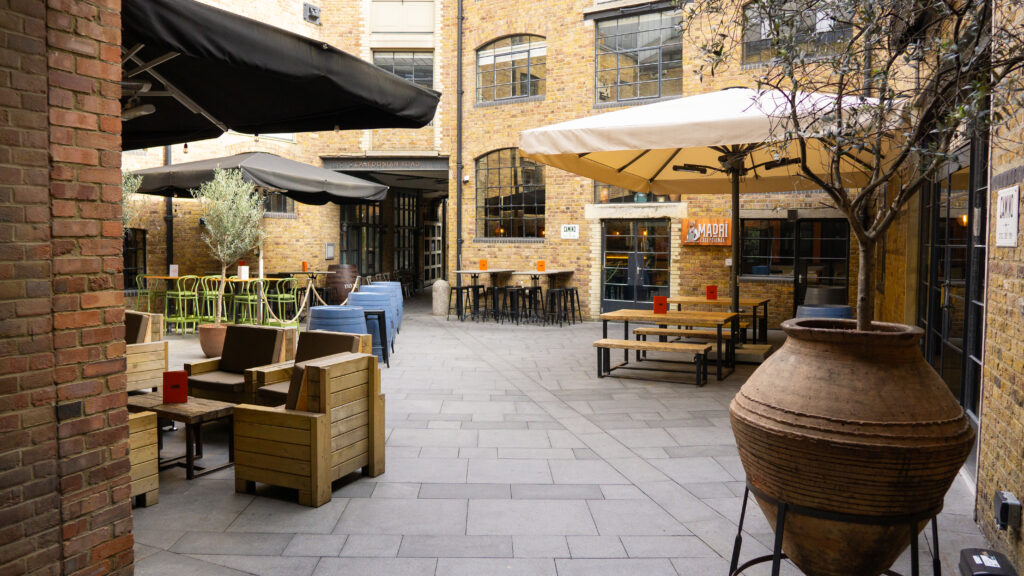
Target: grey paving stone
pixel 667 547
pixel 432 438
pixel 231 543
pixel 465 491
pixel 540 547
pixel 478 453
pixel 556 492
pixel 388 566
pixel 361 488
pixel 141 551
pixel 585 472
pixel 396 490
pixel 169 564
pixel 424 470
pixel 595 547
pixel 504 567
pixel 530 517
pixel 618 567
pixel 633 518
pixel 514 439
pixel 403 516
pixel 377 545
pixel 506 471
pixel 439 452
pixel 695 566
pixel 585 454
pixel 456 547
pixel 264 565
pixel 315 545
pixel 537 453
pixel 694 470
pixel 161 539
pixel 210 506
pixel 622 492
pixel 285 516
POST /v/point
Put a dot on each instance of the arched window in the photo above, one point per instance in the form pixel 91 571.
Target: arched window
pixel 509 196
pixel 511 67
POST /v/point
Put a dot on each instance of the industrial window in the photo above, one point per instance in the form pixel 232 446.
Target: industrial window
pixel 819 33
pixel 415 67
pixel 277 203
pixel 610 194
pixel 511 67
pixel 405 232
pixel 639 57
pixel 134 256
pixel 361 232
pixel 779 247
pixel 509 196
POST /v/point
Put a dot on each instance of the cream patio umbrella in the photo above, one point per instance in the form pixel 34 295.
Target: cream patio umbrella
pixel 704 144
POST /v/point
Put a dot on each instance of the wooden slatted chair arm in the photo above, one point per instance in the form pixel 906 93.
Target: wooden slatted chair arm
pixel 203 366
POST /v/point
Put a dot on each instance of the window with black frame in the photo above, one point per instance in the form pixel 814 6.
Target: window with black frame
pixel 775 247
pixel 820 33
pixel 134 248
pixel 510 196
pixel 361 230
pixel 415 67
pixel 405 231
pixel 277 203
pixel 610 194
pixel 639 57
pixel 511 67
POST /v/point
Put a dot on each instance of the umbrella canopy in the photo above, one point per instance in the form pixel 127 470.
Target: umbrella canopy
pixel 193 72
pixel 301 182
pixel 701 144
pixel 644 148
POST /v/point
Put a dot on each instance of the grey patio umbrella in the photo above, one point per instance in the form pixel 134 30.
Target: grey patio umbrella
pixel 702 144
pixel 192 71
pixel 301 182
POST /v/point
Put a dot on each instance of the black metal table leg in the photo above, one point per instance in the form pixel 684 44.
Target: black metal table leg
pixel 190 458
pixel 719 358
pixel 625 336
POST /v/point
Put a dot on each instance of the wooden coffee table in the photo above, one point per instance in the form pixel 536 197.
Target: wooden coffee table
pixel 193 414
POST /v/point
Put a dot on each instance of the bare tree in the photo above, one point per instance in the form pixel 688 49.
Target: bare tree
pixel 925 77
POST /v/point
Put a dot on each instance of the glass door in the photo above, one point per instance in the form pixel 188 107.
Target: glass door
pixel 951 297
pixel 635 263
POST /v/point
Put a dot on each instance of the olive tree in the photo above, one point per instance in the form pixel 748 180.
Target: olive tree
pixel 131 204
pixel 926 76
pixel 232 210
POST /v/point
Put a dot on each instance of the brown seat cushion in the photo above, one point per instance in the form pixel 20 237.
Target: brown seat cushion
pixel 273 394
pixel 135 327
pixel 320 343
pixel 218 380
pixel 249 346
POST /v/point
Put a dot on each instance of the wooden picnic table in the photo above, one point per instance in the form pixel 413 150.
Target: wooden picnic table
pixel 681 318
pixel 760 327
pixel 194 413
pixel 474 274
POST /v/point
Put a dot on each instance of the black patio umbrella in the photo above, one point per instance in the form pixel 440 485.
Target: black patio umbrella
pixel 301 182
pixel 192 72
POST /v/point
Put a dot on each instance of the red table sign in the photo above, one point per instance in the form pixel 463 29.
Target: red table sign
pixel 660 304
pixel 712 292
pixel 175 387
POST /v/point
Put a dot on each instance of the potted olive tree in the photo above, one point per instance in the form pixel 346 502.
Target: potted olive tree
pixel 847 419
pixel 130 203
pixel 232 211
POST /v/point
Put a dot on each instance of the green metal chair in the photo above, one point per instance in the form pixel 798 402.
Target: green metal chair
pixel 186 304
pixel 284 296
pixel 141 291
pixel 247 298
pixel 207 293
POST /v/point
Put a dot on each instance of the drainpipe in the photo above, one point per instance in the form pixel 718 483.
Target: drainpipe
pixel 169 215
pixel 458 147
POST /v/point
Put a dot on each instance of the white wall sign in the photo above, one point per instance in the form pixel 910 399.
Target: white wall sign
pixel 570 231
pixel 1007 216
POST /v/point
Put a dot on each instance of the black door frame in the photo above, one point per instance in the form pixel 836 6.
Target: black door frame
pixel 611 305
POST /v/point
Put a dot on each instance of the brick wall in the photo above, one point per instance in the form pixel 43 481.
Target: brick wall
pixel 65 437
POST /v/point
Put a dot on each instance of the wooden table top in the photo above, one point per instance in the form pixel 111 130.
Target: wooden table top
pixel 309 272
pixel 727 301
pixel 671 317
pixel 542 273
pixel 488 271
pixel 192 412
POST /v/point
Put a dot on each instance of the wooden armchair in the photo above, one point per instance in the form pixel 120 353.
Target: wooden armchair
pixel 146 359
pixel 227 378
pixel 143 452
pixel 272 382
pixel 331 425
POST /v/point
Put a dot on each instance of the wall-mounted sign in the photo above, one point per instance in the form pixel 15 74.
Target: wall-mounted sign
pixel 570 231
pixel 707 232
pixel 1007 216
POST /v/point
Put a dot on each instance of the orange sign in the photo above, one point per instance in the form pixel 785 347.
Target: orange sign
pixel 483 264
pixel 540 265
pixel 707 232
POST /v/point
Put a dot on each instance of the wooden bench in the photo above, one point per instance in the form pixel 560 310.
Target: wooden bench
pixel 743 327
pixel 695 354
pixel 682 333
pixel 142 455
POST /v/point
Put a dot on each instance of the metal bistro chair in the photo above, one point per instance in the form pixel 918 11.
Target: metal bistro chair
pixel 141 291
pixel 283 297
pixel 247 297
pixel 207 294
pixel 186 304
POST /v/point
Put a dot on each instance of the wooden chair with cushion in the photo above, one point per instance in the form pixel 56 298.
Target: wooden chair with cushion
pixel 146 361
pixel 272 382
pixel 331 425
pixel 227 378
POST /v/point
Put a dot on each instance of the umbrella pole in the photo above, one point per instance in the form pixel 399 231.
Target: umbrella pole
pixel 734 286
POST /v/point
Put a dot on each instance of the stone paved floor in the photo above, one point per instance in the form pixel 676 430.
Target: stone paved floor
pixel 505 455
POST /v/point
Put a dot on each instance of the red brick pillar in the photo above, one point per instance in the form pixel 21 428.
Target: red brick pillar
pixel 84 38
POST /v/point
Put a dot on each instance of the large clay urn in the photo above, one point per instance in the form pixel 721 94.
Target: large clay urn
pixel 849 422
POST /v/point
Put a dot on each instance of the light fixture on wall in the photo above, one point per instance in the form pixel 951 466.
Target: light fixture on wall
pixel 185 149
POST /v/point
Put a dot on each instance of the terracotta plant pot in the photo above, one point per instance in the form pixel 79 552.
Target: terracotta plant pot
pixel 849 422
pixel 211 339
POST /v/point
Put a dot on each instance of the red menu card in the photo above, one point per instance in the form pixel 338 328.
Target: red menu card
pixel 712 292
pixel 175 387
pixel 660 305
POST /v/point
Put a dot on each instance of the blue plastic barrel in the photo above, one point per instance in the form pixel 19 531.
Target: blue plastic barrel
pixel 348 319
pixel 824 311
pixel 397 287
pixel 395 295
pixel 376 301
